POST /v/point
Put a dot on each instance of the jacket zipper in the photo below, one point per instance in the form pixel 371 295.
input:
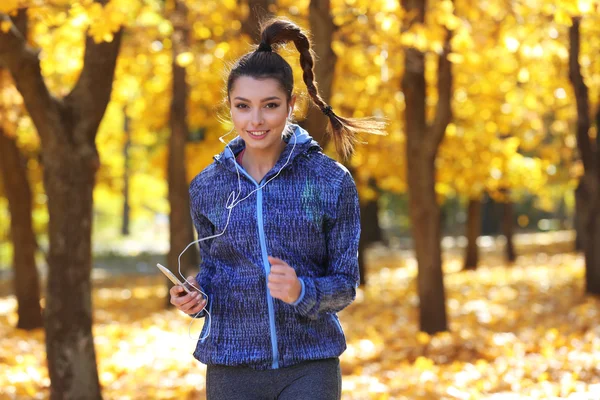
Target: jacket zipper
pixel 267 267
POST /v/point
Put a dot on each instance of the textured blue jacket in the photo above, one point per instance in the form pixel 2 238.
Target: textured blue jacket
pixel 307 216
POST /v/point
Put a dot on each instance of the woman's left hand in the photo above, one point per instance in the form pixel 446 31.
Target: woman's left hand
pixel 283 282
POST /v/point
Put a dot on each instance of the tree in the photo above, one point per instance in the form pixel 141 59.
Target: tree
pixel 126 176
pixel 422 142
pixel 258 11
pixel 322 29
pixel 13 170
pixel 180 227
pixel 67 129
pixel 587 194
pixel 473 232
pixel 508 221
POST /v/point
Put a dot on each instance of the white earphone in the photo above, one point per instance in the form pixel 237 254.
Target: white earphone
pixel 232 201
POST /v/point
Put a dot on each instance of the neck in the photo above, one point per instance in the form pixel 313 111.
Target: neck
pixel 261 161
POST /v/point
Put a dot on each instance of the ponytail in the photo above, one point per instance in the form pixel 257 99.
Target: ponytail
pixel 264 62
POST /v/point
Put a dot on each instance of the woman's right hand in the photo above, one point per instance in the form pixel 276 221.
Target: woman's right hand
pixel 190 303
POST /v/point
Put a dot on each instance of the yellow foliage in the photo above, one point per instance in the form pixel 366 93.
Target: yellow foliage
pixel 525 331
pixel 5 26
pixel 500 89
pixel 7 6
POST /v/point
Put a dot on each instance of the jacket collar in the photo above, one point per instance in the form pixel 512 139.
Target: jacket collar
pixel 295 134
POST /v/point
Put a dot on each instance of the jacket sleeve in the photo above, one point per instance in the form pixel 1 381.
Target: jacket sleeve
pixel 204 229
pixel 337 289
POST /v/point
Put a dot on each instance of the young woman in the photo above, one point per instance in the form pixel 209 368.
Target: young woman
pixel 285 221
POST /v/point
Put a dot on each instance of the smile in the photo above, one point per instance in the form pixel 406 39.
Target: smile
pixel 257 134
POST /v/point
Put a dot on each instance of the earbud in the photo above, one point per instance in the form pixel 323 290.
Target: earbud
pixel 290 113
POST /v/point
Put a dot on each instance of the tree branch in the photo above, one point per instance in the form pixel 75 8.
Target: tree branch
pixel 259 11
pixel 24 65
pixel 20 21
pixel 581 96
pixel 443 112
pixel 88 100
pixel 598 142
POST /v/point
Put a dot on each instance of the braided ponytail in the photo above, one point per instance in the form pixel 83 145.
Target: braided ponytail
pixel 264 62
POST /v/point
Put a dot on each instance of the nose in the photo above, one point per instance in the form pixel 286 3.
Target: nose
pixel 257 117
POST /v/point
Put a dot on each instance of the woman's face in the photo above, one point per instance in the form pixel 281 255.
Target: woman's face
pixel 259 110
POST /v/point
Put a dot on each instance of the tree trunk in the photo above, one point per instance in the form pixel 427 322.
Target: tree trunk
pixel 322 29
pixel 508 230
pixel 370 232
pixel 259 11
pixel 588 191
pixel 422 143
pixel 577 222
pixel 473 233
pixel 180 227
pixel 590 232
pixel 69 177
pixel 67 129
pixel 13 169
pixel 126 209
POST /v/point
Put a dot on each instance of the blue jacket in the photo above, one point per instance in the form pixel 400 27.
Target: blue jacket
pixel 307 216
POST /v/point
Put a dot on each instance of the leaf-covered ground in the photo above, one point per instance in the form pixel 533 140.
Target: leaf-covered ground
pixel 524 331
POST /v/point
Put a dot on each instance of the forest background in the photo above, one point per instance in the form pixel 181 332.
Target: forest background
pixel 482 200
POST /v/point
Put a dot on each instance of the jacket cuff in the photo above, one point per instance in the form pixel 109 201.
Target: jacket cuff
pixel 302 292
pixel 308 298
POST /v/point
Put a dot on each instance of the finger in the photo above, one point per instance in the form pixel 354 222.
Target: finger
pixel 279 269
pixel 275 260
pixel 279 278
pixel 184 301
pixel 189 305
pixel 197 299
pixel 175 290
pixel 191 283
pixel 279 287
pixel 176 295
pixel 196 308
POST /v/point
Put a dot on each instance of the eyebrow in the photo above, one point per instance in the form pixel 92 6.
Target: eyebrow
pixel 263 100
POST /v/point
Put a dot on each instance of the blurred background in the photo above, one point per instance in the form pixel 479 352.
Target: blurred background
pixel 480 208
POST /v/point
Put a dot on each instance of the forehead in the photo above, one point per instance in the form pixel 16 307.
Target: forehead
pixel 256 89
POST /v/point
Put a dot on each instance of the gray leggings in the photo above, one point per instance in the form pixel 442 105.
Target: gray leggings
pixel 314 380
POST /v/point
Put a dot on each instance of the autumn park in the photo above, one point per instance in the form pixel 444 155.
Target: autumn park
pixel 479 251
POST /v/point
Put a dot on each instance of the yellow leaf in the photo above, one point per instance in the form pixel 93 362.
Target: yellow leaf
pixel 5 26
pixel 185 59
pixel 6 6
pixel 455 58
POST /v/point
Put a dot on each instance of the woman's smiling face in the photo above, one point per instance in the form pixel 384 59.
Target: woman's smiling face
pixel 259 109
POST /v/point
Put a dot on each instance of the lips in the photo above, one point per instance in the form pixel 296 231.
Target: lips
pixel 258 134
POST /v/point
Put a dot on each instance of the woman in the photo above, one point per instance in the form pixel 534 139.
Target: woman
pixel 284 222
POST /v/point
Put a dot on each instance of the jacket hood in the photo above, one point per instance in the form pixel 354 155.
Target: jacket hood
pixel 294 135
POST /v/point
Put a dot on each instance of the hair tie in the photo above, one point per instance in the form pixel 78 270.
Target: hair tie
pixel 263 46
pixel 327 110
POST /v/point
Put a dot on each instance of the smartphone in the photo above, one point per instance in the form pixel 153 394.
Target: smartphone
pixel 173 278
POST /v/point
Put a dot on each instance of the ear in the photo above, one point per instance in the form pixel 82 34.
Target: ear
pixel 291 103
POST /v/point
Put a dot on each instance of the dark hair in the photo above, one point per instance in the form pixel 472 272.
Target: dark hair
pixel 263 63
